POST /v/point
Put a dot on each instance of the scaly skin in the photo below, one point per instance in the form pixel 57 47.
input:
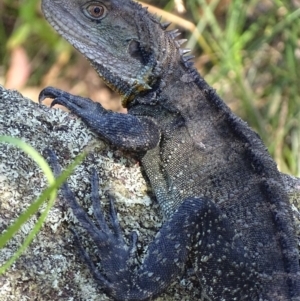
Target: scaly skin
pixel 220 191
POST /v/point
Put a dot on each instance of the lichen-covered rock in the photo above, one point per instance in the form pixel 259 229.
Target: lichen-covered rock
pixel 51 269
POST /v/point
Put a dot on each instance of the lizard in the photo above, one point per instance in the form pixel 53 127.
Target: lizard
pixel 223 199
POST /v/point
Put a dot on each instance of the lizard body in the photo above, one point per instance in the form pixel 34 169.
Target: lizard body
pixel 222 196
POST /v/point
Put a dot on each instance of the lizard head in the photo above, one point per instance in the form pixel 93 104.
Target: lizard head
pixel 119 37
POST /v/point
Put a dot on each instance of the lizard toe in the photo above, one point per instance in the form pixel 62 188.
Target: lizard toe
pixel 50 92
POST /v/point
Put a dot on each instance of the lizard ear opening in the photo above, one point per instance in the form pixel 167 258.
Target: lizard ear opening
pixel 134 49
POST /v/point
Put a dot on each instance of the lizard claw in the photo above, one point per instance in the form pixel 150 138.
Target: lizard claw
pixel 80 106
pixel 50 92
pixel 59 97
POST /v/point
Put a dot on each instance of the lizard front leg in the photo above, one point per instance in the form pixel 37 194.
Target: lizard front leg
pixel 124 131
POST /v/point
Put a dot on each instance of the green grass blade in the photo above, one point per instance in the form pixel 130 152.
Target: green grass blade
pixel 49 193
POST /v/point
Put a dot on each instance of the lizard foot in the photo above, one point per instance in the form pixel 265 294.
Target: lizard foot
pixel 81 106
pixel 116 256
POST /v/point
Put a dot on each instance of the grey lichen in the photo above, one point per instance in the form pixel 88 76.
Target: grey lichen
pixel 51 268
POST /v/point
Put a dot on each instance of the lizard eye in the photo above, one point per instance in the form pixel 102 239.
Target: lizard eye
pixel 96 11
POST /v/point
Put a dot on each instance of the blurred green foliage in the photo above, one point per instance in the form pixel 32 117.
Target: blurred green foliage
pixel 22 23
pixel 255 50
pixel 248 50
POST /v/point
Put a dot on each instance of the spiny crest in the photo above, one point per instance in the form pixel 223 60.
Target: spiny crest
pixel 174 34
pixel 186 59
pixel 165 25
